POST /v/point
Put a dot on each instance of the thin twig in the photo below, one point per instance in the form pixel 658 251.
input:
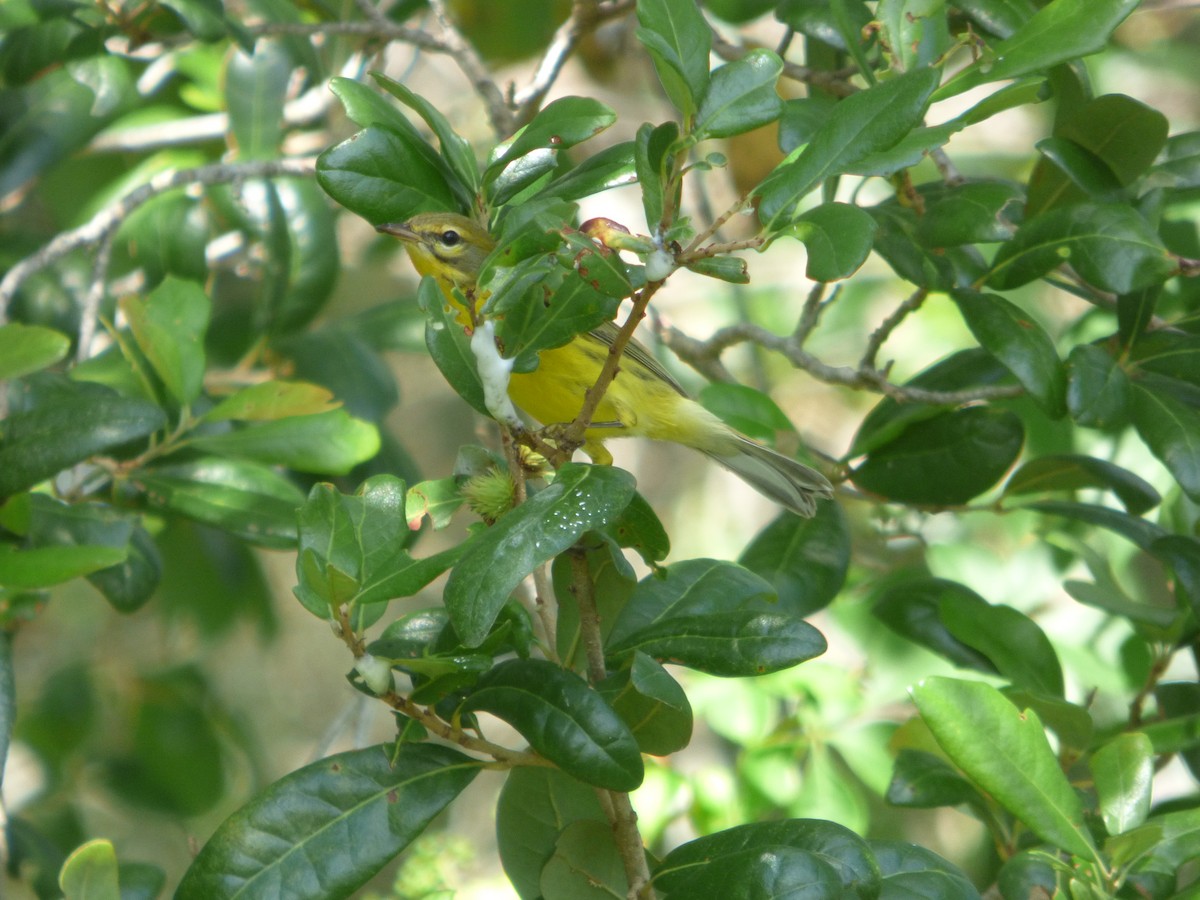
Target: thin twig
pixel 108 220
pixel 499 112
pixel 810 316
pixel 890 324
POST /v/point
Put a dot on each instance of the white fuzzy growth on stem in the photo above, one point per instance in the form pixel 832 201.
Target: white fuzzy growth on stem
pixel 494 372
pixel 659 264
pixel 376 674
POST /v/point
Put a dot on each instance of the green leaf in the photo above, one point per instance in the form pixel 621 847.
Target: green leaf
pixel 535 806
pixel 560 125
pixel 1136 530
pixel 64 423
pixel 29 348
pixel 8 699
pixel 455 148
pixel 203 18
pixel 272 400
pixel 247 499
pixel 838 238
pixel 923 780
pixel 1062 30
pixel 352 547
pixel 945 460
pixel 1099 394
pixel 1111 246
pixel 1076 174
pixel 911 871
pixel 747 410
pixel 862 124
pixel 306 835
pixel 1011 641
pixel 1006 753
pixel 563 719
pixel 169 327
pixel 804 560
pixel 679 41
pixel 449 345
pixel 972 213
pixel 611 167
pixel 582 498
pixel 1134 312
pixel 689 870
pixel 384 176
pixel 652 704
pixel 90 872
pixel 585 864
pixel 1072 472
pixel 741 96
pixel 1171 429
pixel 914 31
pixel 256 86
pixel 330 443
pixel 1020 343
pixel 911 605
pixel 713 616
pixel 1123 770
pixel 44 566
pixel 313 261
pixel 638 527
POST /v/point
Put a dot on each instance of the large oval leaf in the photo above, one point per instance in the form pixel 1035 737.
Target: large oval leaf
pixel 805 560
pixel 581 498
pixel 563 719
pixel 1005 751
pixel 325 829
pixel 944 460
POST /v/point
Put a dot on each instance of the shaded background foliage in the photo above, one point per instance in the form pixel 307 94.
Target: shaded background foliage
pixel 994 353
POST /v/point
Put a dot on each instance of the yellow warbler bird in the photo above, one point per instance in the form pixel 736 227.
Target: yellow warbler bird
pixel 643 400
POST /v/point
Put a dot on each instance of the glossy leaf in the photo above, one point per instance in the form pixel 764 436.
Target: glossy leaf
pixel 838 238
pixel 911 872
pixel 1006 753
pixel 560 125
pixel 536 804
pixel 746 409
pixel 864 123
pixel 1123 770
pixel 302 837
pixel 312 255
pixel 1110 245
pixel 455 148
pixel 653 156
pixel 272 400
pixel 689 869
pixel 804 560
pixel 639 528
pixel 45 566
pixel 713 616
pixel 1072 472
pixel 582 498
pixel 923 780
pixel 969 450
pixel 449 346
pixel 352 547
pixel 741 96
pixel 972 213
pixel 563 719
pixel 912 607
pixel 652 704
pixel 255 90
pixel 90 872
pixel 1019 342
pixel 915 31
pixel 331 442
pixel 1011 641
pixel 585 864
pixel 678 40
pixel 1060 31
pixel 29 348
pixel 169 327
pixel 247 499
pixel 609 168
pixel 1171 430
pixel 1099 393
pixel 384 177
pixel 65 423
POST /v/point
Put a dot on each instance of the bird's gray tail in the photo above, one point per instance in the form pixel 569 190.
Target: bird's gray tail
pixel 789 483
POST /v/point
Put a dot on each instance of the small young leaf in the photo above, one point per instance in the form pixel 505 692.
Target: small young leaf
pixel 90 872
pixel 29 348
pixel 678 41
pixel 741 96
pixel 560 125
pixel 455 148
pixel 272 400
pixel 563 719
pixel 838 238
pixel 169 327
pixel 1123 769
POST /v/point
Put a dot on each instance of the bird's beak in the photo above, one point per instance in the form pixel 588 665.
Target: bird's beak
pixel 400 230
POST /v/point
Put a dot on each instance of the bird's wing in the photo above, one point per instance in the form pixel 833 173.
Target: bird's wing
pixel 606 333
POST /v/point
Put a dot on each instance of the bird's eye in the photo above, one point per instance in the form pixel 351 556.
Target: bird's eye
pixel 450 237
